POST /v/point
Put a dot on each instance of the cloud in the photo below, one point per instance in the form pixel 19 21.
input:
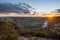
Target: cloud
pixel 28 5
pixel 18 8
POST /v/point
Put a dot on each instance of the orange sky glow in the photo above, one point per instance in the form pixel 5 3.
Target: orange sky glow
pixel 28 15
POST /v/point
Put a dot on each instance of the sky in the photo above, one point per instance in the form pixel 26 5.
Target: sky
pixel 39 5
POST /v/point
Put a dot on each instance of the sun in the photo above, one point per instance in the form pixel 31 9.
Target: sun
pixel 50 16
